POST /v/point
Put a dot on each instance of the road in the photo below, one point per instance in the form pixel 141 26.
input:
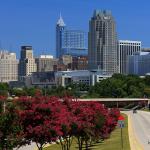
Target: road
pixel 28 147
pixel 139 130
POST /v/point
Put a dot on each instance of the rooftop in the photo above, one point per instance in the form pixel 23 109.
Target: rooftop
pixel 60 22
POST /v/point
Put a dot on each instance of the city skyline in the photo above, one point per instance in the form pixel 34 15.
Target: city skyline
pixel 30 23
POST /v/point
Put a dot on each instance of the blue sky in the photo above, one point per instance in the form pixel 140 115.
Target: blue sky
pixel 32 22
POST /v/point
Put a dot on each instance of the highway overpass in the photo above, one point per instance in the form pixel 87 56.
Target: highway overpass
pixel 118 101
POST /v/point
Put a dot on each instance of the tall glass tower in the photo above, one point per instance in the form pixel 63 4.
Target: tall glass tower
pixel 69 42
pixel 102 43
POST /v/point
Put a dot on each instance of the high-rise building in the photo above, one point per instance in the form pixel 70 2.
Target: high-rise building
pixel 127 48
pixel 45 63
pixel 139 63
pixel 27 63
pixel 8 67
pixel 102 43
pixel 69 42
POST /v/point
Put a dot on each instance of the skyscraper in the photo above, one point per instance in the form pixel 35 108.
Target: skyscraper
pixel 27 63
pixel 139 63
pixel 127 48
pixel 102 43
pixel 60 27
pixel 69 42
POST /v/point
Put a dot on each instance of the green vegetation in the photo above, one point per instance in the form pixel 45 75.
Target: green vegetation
pixel 146 109
pixel 118 86
pixel 112 143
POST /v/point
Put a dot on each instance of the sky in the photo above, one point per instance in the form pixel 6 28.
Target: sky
pixel 32 22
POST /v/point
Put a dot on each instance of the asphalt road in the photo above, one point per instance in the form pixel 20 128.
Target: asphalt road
pixel 28 147
pixel 141 127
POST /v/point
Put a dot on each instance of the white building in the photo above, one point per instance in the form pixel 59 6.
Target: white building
pixel 64 78
pixel 8 67
pixel 127 48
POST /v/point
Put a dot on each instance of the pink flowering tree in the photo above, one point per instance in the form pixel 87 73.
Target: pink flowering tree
pixel 41 119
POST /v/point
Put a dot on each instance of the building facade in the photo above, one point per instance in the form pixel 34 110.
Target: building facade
pixel 27 63
pixel 80 63
pixel 8 67
pixel 69 42
pixel 139 64
pixel 145 49
pixel 127 48
pixel 63 78
pixel 45 63
pixel 87 77
pixel 40 79
pixel 102 43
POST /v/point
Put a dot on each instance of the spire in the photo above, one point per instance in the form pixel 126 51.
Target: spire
pixel 60 21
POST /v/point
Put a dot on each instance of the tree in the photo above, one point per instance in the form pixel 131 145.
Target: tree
pixel 10 129
pixel 87 125
pixel 147 80
pixel 44 119
pixel 18 92
pixel 47 119
pixel 30 91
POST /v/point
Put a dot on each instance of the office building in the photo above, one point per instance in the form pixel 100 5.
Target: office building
pixel 69 42
pixel 68 62
pixel 87 77
pixel 102 43
pixel 145 49
pixel 8 67
pixel 127 48
pixel 80 63
pixel 66 59
pixel 45 63
pixel 139 64
pixel 63 78
pixel 40 79
pixel 27 63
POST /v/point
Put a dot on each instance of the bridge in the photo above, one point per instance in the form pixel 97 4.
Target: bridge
pixel 115 99
pixel 118 101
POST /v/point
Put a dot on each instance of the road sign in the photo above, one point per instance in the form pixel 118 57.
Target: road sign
pixel 121 117
pixel 121 124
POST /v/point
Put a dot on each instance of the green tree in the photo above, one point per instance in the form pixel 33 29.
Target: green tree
pixel 10 129
pixel 18 92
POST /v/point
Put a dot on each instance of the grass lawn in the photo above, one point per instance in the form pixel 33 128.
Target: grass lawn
pixel 113 143
pixel 146 109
